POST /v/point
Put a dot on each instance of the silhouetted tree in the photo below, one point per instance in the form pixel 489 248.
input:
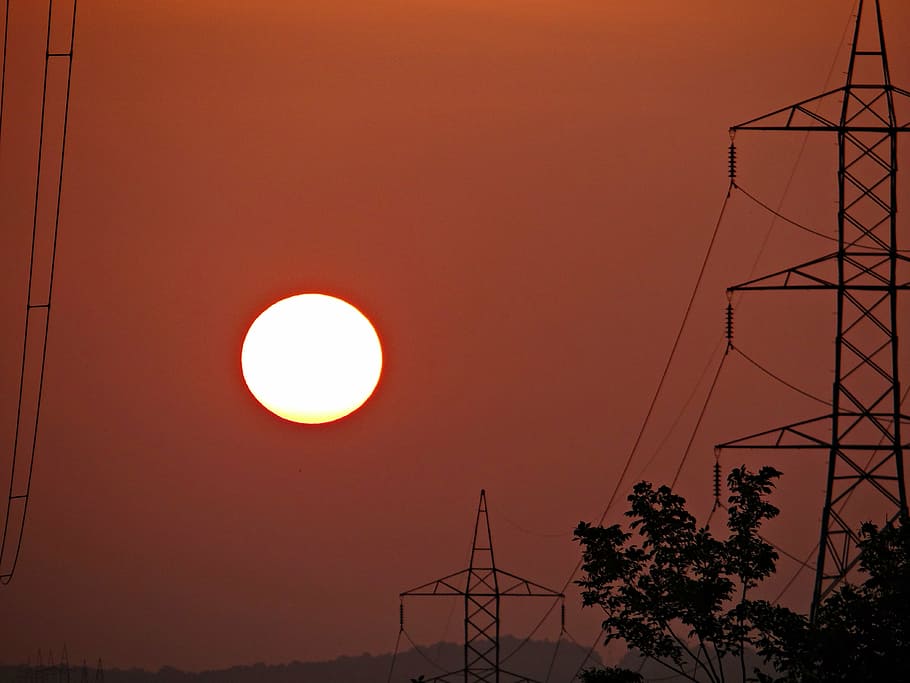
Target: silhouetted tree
pixel 681 595
pixel 677 594
pixel 861 632
pixel 610 674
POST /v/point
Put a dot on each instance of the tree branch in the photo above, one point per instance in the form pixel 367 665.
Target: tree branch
pixel 681 672
pixel 684 646
pixel 712 673
pixel 723 677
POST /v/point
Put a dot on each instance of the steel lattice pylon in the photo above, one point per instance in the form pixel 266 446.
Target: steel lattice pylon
pixel 483 585
pixel 865 431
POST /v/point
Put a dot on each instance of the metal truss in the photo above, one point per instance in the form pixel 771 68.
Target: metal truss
pixel 482 585
pixel 865 433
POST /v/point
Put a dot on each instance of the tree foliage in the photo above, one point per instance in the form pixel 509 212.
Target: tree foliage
pixel 675 592
pixel 679 595
pixel 861 632
pixel 610 674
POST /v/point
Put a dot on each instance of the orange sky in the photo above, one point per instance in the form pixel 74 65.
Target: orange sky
pixel 518 194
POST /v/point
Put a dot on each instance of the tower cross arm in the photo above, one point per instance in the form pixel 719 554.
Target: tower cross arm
pixel 794 116
pixel 452 584
pixel 799 435
pixel 457 584
pixel 511 584
pixel 821 273
pixel 808 275
pixel 803 116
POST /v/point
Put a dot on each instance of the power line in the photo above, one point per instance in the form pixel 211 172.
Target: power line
pixel 761 251
pixel 779 378
pixel 395 655
pixel 778 214
pixel 701 416
pixel 682 411
pixel 420 651
pixel 648 413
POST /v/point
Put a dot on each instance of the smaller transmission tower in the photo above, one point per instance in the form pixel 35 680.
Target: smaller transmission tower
pixel 482 585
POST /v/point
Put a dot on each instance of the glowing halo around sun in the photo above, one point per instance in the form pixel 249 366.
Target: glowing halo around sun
pixel 311 358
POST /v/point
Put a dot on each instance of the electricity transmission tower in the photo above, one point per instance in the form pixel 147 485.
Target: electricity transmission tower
pixel 482 585
pixel 51 152
pixel 865 433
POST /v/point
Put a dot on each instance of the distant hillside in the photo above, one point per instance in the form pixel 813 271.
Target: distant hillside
pixel 533 660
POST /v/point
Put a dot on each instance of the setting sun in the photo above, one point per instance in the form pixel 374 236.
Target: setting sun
pixel 311 358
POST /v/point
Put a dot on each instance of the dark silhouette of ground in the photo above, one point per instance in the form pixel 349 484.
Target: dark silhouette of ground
pixel 533 660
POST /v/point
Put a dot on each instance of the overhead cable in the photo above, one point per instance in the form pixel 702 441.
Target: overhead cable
pixel 648 414
pixel 779 378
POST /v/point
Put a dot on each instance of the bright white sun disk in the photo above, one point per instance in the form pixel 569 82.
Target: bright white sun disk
pixel 311 358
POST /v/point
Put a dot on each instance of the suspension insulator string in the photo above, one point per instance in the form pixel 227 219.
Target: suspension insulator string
pixel 562 616
pixel 729 331
pixel 716 478
pixel 732 160
pixel 401 615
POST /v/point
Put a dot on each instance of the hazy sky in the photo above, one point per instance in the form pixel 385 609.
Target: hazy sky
pixel 517 193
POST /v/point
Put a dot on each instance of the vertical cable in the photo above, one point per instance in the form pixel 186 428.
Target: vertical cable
pixel 7 575
pixel 3 67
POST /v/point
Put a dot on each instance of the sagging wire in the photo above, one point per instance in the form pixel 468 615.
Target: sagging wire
pixel 420 651
pixel 778 214
pixel 660 384
pixel 562 632
pixel 679 415
pixel 779 378
pixel 397 640
pixel 728 333
pixel 732 347
pixel 650 411
pixel 698 422
pixel 733 185
pixel 797 224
